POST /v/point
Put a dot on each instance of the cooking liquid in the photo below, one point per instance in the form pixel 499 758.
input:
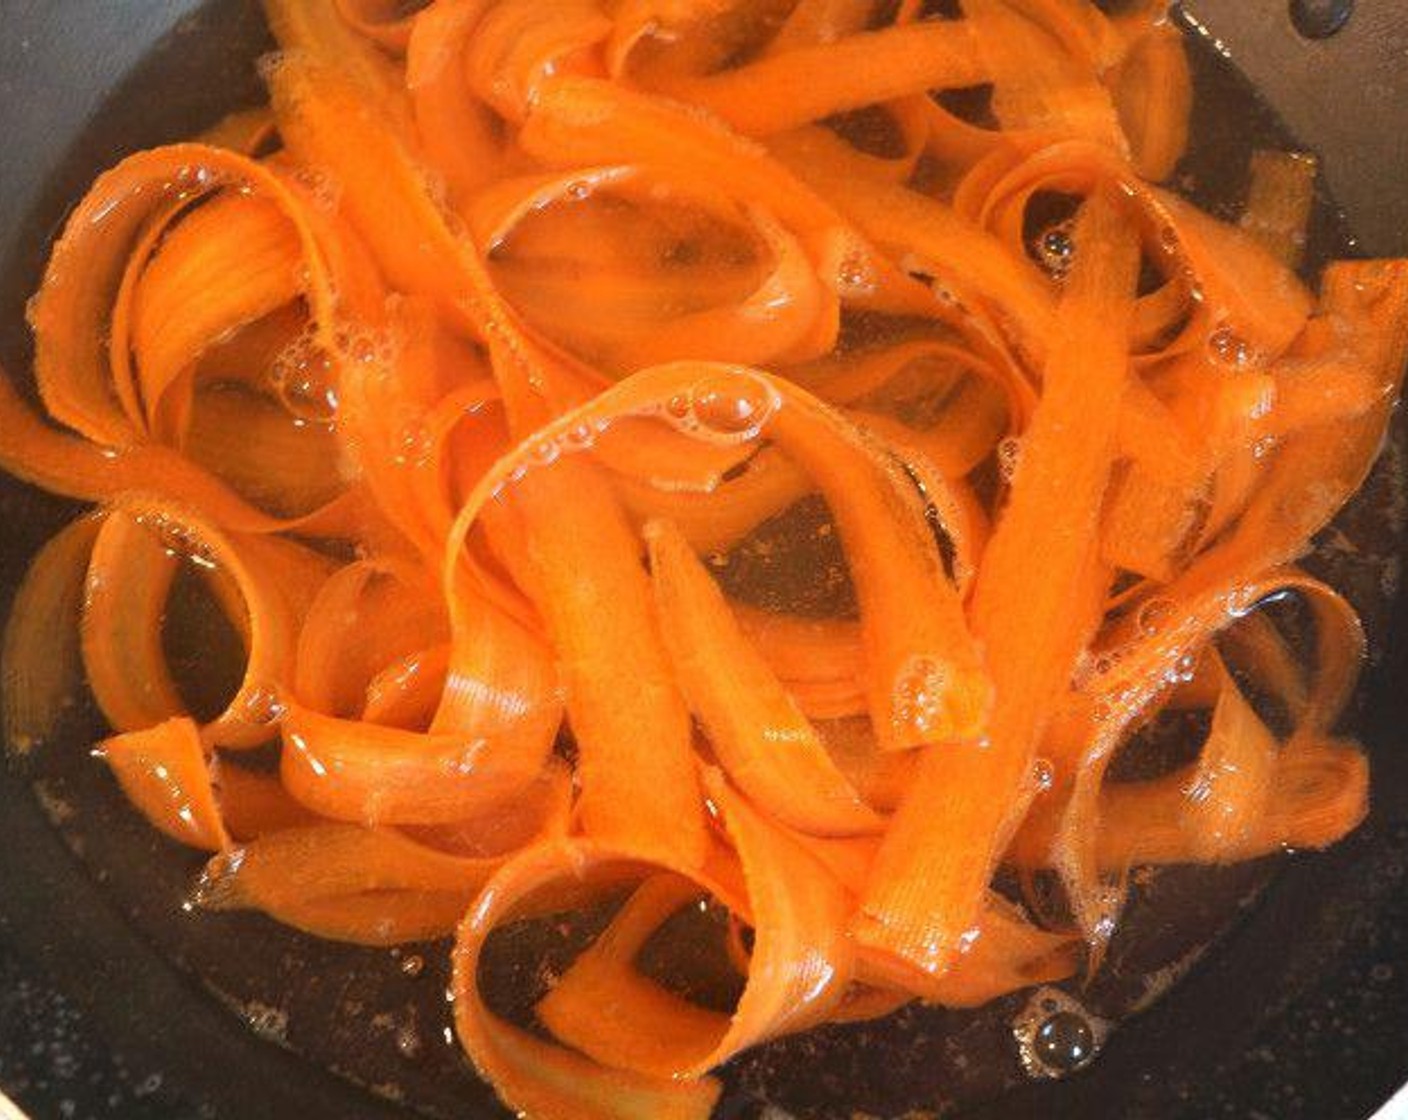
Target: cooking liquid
pixel 381 1017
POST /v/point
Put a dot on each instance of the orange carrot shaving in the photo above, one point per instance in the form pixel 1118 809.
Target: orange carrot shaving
pixel 164 772
pixel 765 744
pixel 948 835
pixel 40 658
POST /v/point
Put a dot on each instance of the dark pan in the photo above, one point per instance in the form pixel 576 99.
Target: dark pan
pixel 1301 1012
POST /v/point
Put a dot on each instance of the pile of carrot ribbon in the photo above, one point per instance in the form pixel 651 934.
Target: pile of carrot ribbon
pixel 459 378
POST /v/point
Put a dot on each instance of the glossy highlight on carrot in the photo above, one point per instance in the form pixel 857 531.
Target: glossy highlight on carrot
pixel 653 475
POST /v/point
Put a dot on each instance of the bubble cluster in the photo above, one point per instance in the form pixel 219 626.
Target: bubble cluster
pixel 415 442
pixel 727 407
pixel 356 343
pixel 177 538
pixel 190 180
pixel 920 690
pixel 324 191
pixel 1055 249
pixel 1009 458
pixel 855 274
pixel 1229 348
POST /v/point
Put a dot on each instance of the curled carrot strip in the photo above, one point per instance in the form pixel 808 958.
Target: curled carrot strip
pixel 365 617
pixel 542 244
pixel 799 965
pixel 460 135
pixel 372 775
pixel 40 656
pixel 1133 684
pixel 374 886
pixel 129 579
pixel 270 583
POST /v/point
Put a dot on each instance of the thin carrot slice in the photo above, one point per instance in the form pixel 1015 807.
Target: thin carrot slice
pixel 253 803
pixel 796 87
pixel 1279 199
pixel 1148 666
pixel 165 773
pixel 129 579
pixel 586 579
pixel 1231 788
pixel 367 615
pixel 769 749
pixel 1318 795
pixel 949 833
pixel 577 121
pixel 719 516
pixel 40 655
pixel 369 886
pixel 519 44
pixel 460 136
pixel 359 772
pixel 800 964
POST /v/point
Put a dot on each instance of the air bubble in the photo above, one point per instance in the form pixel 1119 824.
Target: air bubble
pixel 1154 616
pixel 544 453
pixel 1064 1042
pixel 1055 1035
pixel 304 377
pixel 579 437
pixel 189 180
pixel 365 346
pixel 579 190
pixel 1184 669
pixel 1043 774
pixel 1319 19
pixel 413 965
pixel 408 1041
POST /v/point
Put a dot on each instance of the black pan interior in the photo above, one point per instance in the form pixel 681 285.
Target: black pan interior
pixel 1301 1012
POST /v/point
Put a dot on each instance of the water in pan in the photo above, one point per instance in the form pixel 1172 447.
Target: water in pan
pixel 381 1018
